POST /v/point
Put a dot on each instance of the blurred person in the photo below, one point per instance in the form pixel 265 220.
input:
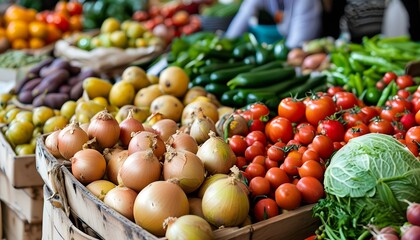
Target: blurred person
pixel 297 20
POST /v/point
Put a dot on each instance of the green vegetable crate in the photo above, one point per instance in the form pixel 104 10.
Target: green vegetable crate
pixel 105 223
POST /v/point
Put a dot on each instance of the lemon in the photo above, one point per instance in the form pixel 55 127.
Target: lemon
pixel 174 81
pixel 101 101
pixel 110 25
pixel 54 123
pixel 68 109
pixel 24 115
pixel 122 93
pixel 41 115
pixel 19 132
pixel 136 76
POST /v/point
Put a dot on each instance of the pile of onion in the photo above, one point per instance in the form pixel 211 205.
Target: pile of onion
pixel 100 188
pixel 145 140
pixel 165 128
pixel 225 203
pixel 51 143
pixel 88 165
pixel 129 126
pixel 105 129
pixel 201 126
pixel 158 201
pixel 188 227
pixel 115 157
pixel 184 166
pixel 182 141
pixel 216 155
pixel 71 140
pixel 140 169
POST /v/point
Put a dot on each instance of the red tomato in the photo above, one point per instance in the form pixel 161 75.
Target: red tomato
pixel 402 93
pixel 353 117
pixel 334 89
pixel 332 128
pixel 252 151
pixel 311 189
pixel 268 163
pixel 388 77
pixel 59 20
pixel 291 165
pixel 305 133
pixel 260 159
pixel 390 114
pixel 405 81
pixel 401 104
pixel 259 186
pixel 74 8
pixel 318 108
pixel 256 136
pixel 370 113
pixel 279 129
pixel 254 170
pixel 417 117
pixel 259 111
pixel 345 100
pixel 288 196
pixel 241 162
pixel 256 125
pixel 380 85
pixel 311 168
pixel 415 103
pixel 238 144
pixel 264 209
pixel 414 149
pixel 338 145
pixel 379 125
pixel 398 128
pixel 292 109
pixel 408 120
pixel 353 132
pixel 310 154
pixel 276 177
pixel 413 135
pixel 323 146
pixel 276 151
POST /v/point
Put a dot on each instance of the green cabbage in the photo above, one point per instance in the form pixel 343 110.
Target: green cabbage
pixel 366 182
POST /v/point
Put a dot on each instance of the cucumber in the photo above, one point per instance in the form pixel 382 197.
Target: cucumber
pixel 301 90
pixel 218 66
pixel 216 89
pixel 261 78
pixel 224 75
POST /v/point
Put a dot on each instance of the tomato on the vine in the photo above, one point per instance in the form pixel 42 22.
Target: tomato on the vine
pixel 353 117
pixel 408 120
pixel 279 129
pixel 59 20
pixel 355 131
pixel 276 151
pixel 390 114
pixel 288 196
pixel 403 93
pixel 334 89
pixel 345 100
pixel 254 150
pixel 256 125
pixel 401 104
pixel 311 168
pixel 318 108
pixel 259 110
pixel 241 162
pixel 265 208
pixel 370 112
pixel 292 109
pixel 413 135
pixel 74 8
pixel 291 165
pixel 332 128
pixel 310 154
pixel 417 117
pixel 305 133
pixel 268 163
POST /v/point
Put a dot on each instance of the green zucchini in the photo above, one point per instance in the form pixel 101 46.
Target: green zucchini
pixel 261 78
pixel 216 89
pixel 224 75
pixel 301 90
pixel 218 66
pixel 270 65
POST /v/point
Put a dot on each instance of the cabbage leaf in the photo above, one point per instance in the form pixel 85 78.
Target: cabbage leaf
pixel 367 182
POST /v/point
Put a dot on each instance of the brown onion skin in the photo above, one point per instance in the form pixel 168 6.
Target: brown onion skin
pixel 121 199
pixel 140 169
pixel 71 139
pixel 128 127
pixel 183 141
pixel 165 128
pixel 105 129
pixel 146 140
pixel 88 165
pixel 114 165
pixel 51 143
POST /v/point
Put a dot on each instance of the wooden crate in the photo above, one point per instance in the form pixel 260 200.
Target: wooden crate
pixel 27 202
pixel 17 228
pixel 20 170
pixel 56 224
pixel 293 225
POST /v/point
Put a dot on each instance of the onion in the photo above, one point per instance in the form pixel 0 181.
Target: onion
pixel 413 213
pixel 88 165
pixel 233 123
pixel 140 169
pixel 205 104
pixel 201 126
pixel 184 166
pixel 158 201
pixel 295 57
pixel 110 153
pixel 225 203
pixel 410 232
pixel 195 207
pixel 146 140
pixel 188 227
pixel 105 129
pixel 182 141
pixel 71 139
pixel 387 233
pixel 165 128
pixel 51 143
pixel 100 188
pixel 129 126
pixel 121 199
pixel 216 155
pixel 114 164
pixel 209 180
pixel 84 126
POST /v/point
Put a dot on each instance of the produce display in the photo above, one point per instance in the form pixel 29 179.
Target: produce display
pixel 231 134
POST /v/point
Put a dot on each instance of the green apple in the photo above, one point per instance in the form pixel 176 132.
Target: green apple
pixel 135 30
pixel 95 42
pixel 110 25
pixel 105 39
pixel 119 39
